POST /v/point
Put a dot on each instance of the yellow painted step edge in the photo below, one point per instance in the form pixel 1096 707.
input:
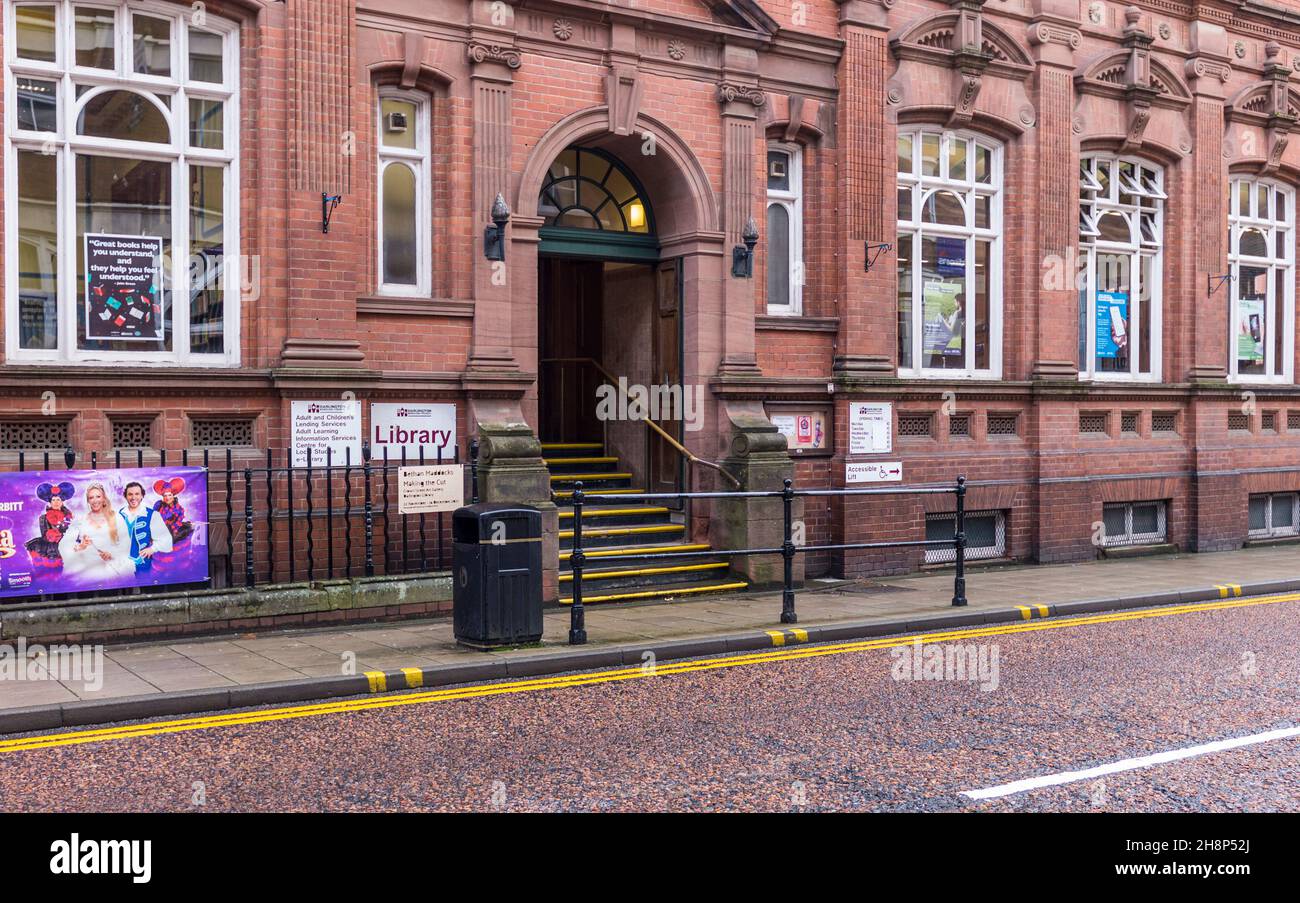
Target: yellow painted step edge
pixel 553 446
pixel 572 477
pixel 648 550
pixel 550 462
pixel 643 572
pixel 658 593
pixel 568 493
pixel 614 512
pixel 626 531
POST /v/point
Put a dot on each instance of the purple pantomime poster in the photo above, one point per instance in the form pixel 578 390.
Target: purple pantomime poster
pixel 70 531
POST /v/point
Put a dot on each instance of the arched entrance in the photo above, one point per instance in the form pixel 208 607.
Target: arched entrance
pixel 609 315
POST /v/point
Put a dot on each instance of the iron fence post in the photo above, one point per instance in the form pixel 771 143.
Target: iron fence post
pixel 788 615
pixel 473 472
pixel 248 527
pixel 577 617
pixel 959 582
pixel 369 512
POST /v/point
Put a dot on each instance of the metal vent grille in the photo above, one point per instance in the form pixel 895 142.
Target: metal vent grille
pixel 222 433
pixel 916 425
pixel 1164 422
pixel 1093 423
pixel 959 425
pixel 1004 424
pixel 1293 421
pixel 1128 423
pixel 1268 421
pixel 1238 423
pixel 25 435
pixel 132 434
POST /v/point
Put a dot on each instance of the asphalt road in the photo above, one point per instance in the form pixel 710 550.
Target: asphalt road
pixel 835 728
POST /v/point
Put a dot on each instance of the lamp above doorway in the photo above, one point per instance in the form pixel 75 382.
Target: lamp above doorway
pixel 494 234
pixel 742 256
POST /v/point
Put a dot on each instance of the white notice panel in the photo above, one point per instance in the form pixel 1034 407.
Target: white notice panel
pixel 874 472
pixel 871 427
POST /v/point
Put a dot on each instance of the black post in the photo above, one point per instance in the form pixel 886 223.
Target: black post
pixel 311 517
pixel 270 517
pixel 230 520
pixel 69 457
pixel 248 528
pixel 959 582
pixel 577 617
pixel 347 509
pixel 473 472
pixel 788 615
pixel 369 511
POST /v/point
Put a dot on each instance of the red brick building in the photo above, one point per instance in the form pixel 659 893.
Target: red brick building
pixel 1009 221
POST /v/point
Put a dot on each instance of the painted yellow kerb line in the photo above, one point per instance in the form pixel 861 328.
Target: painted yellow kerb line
pixel 578 680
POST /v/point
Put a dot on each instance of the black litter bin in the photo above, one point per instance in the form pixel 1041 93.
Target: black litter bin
pixel 497 568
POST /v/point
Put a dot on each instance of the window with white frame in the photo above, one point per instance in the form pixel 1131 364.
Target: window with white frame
pixel 1262 259
pixel 121 189
pixel 1276 514
pixel 1121 229
pixel 949 254
pixel 403 191
pixel 784 229
pixel 1134 523
pixel 986 536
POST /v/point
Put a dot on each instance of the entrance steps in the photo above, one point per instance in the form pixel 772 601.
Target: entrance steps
pixel 644 528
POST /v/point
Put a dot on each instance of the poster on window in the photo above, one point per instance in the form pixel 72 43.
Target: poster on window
pixel 1112 324
pixel 951 254
pixel 124 287
pixel 66 531
pixel 1250 330
pixel 942 312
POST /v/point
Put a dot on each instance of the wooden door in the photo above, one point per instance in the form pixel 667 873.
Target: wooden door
pixel 666 463
pixel 569 292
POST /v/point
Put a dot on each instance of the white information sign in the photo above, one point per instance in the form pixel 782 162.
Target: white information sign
pixel 871 427
pixel 321 425
pixel 874 472
pixel 413 427
pixel 424 490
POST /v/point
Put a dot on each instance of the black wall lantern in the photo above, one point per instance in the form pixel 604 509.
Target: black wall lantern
pixel 742 256
pixel 494 235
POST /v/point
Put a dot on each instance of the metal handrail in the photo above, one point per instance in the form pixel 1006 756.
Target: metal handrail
pixel 609 378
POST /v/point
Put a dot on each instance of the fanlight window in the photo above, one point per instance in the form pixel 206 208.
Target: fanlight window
pixel 585 189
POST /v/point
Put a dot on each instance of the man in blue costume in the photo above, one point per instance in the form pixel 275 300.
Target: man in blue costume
pixel 149 535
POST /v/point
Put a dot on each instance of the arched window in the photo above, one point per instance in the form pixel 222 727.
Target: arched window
pixel 1121 226
pixel 403 191
pixel 784 229
pixel 949 254
pixel 586 189
pixel 1261 221
pixel 122 234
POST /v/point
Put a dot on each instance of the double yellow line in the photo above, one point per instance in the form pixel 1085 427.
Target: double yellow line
pixel 156 728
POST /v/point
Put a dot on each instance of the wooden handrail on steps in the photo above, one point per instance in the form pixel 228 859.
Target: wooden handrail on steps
pixel 609 378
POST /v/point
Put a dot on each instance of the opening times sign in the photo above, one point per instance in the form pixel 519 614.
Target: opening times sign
pixel 124 287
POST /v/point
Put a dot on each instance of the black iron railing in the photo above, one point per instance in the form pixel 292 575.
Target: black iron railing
pixel 787 550
pixel 274 522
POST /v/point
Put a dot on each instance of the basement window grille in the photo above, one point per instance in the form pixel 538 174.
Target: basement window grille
pixel 1134 523
pixel 1164 422
pixel 916 426
pixel 222 433
pixel 1004 424
pixel 1272 515
pixel 1238 423
pixel 1293 421
pixel 1268 422
pixel 959 426
pixel 986 536
pixel 1094 423
pixel 1128 423
pixel 132 434
pixel 34 435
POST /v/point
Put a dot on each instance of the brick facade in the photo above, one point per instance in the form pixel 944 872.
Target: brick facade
pixel 510 86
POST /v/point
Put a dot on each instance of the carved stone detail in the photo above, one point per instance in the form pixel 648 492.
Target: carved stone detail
pixel 479 52
pixel 562 29
pixel 731 91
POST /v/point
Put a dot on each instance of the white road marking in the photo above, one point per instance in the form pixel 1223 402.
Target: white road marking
pixel 1173 755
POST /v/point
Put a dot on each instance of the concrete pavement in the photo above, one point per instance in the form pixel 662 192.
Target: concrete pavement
pixel 195 675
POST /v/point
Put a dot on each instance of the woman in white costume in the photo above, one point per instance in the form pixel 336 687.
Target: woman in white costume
pixel 97 546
